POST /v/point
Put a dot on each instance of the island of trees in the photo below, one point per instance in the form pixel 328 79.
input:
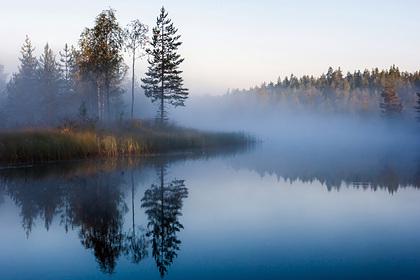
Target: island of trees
pixel 70 105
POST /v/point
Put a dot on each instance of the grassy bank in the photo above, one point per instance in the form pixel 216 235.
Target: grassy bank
pixel 129 139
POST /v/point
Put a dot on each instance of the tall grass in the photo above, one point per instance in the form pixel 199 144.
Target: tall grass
pixel 134 138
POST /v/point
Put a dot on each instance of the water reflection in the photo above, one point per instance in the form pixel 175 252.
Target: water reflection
pixel 91 200
pixel 163 203
pixel 131 209
pixel 353 166
pixel 136 242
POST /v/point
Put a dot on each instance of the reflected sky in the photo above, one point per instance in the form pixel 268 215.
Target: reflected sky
pixel 233 222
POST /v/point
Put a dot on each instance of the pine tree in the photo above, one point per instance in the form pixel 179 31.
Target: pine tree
pixel 67 68
pixel 49 83
pixel 2 80
pixel 391 105
pixel 136 40
pixel 22 89
pixel 3 116
pixel 163 80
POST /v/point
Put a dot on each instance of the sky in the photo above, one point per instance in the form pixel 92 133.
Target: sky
pixel 233 43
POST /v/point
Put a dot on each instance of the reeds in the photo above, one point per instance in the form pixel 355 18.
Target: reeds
pixel 134 138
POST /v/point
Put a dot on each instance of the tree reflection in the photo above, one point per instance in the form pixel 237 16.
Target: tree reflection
pixel 97 208
pixel 163 203
pixel 135 241
pixel 94 200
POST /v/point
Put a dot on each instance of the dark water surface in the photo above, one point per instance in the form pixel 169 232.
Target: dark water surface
pixel 269 213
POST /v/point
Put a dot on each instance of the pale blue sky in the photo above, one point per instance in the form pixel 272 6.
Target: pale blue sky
pixel 230 44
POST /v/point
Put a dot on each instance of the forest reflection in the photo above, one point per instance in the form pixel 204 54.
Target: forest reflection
pixel 94 198
pixel 91 200
pixel 370 168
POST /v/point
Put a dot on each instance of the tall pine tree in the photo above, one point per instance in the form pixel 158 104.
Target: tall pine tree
pixel 67 68
pixel 2 80
pixel 49 84
pixel 391 105
pixel 22 89
pixel 163 81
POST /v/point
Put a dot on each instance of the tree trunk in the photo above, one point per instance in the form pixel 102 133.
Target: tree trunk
pixel 98 90
pixel 132 85
pixel 108 117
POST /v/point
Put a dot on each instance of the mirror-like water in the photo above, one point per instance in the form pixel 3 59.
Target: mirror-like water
pixel 269 213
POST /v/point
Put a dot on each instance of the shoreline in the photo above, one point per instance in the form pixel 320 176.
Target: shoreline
pixel 37 146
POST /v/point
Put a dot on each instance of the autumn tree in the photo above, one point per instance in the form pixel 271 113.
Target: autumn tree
pixel 101 61
pixel 136 40
pixel 163 81
pixel 391 105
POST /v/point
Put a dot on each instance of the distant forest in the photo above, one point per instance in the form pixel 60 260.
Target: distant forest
pixel 376 92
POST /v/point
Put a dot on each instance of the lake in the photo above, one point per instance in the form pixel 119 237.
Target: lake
pixel 267 212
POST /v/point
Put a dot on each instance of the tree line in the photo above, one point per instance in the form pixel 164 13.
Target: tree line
pixel 86 81
pixel 388 92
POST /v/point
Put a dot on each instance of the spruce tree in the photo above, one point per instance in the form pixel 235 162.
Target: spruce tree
pixel 2 80
pixel 22 89
pixel 67 68
pixel 49 83
pixel 163 80
pixel 391 105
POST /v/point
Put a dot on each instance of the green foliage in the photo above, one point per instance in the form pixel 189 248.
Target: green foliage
pixel 358 92
pixel 100 62
pixel 163 81
pixel 49 83
pixel 23 87
pixel 391 105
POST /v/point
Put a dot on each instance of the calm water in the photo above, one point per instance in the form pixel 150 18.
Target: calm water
pixel 269 213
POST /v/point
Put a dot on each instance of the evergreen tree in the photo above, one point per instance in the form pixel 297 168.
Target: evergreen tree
pixel 2 80
pixel 3 115
pixel 22 89
pixel 391 105
pixel 163 80
pixel 68 69
pixel 136 40
pixel 49 84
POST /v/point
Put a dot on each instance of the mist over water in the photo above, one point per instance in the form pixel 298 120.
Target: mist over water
pixel 237 215
pixel 311 177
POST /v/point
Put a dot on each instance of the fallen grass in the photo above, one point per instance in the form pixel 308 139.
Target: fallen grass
pixel 128 139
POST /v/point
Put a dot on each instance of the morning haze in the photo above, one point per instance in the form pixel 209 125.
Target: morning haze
pixel 209 140
pixel 295 36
